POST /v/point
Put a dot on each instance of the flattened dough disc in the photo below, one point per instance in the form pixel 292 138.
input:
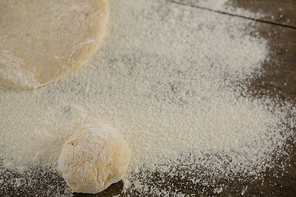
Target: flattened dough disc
pixel 42 40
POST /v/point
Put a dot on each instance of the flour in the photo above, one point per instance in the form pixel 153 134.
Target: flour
pixel 169 78
pixel 220 6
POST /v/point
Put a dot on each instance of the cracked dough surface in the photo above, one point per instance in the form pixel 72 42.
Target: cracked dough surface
pixel 93 158
pixel 42 40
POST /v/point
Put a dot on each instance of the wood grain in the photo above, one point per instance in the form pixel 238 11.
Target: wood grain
pixel 277 81
pixel 277 11
pixel 279 77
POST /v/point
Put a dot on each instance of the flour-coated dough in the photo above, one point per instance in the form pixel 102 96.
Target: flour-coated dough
pixel 42 40
pixel 93 158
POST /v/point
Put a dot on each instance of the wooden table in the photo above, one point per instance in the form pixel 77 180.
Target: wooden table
pixel 278 26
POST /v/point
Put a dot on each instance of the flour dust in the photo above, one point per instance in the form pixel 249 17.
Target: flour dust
pixel 169 78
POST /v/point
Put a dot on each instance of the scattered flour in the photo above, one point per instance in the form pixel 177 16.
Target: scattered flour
pixel 167 77
pixel 220 6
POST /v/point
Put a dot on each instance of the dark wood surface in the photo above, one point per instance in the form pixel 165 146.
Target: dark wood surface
pixel 278 82
pixel 281 12
pixel 276 11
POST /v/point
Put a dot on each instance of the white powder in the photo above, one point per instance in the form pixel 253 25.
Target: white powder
pixel 220 6
pixel 166 78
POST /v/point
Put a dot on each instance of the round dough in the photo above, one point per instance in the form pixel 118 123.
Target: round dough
pixel 93 158
pixel 42 40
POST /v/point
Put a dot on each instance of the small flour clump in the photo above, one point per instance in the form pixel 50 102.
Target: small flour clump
pixel 93 158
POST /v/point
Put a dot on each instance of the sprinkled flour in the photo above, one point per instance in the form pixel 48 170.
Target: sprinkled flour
pixel 167 77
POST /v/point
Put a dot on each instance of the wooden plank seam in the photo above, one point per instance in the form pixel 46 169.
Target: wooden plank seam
pixel 230 14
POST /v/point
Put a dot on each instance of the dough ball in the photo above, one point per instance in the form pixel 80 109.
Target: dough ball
pixel 93 158
pixel 42 40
